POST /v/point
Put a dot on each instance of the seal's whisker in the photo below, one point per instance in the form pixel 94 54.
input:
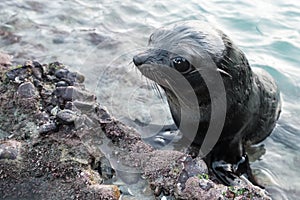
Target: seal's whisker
pixel 154 84
pixel 158 91
pixel 228 59
pixel 224 72
pixel 196 70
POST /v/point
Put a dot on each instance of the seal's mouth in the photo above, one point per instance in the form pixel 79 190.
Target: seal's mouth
pixel 156 73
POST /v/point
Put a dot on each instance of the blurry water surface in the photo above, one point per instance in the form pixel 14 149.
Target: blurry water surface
pixel 99 38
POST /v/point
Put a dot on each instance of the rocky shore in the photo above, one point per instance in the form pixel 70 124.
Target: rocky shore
pixel 58 142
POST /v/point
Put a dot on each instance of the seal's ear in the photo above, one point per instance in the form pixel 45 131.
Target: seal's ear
pixel 150 39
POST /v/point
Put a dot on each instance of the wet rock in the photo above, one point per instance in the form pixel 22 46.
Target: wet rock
pixel 54 66
pixel 58 40
pixel 69 105
pixel 104 117
pixel 47 128
pixel 75 77
pixel 5 60
pixel 69 77
pixel 18 74
pixel 84 106
pixel 79 78
pixel 37 72
pixel 72 93
pixel 66 116
pixel 61 73
pixel 105 169
pixel 111 192
pixel 42 117
pixel 52 78
pixel 96 38
pixel 54 110
pixel 205 184
pixel 194 191
pixel 62 84
pixel 38 84
pixel 27 90
pixel 191 167
pixel 9 149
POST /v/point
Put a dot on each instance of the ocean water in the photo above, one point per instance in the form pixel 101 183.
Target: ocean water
pixel 99 38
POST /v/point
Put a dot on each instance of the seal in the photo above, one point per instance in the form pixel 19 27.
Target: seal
pixel 251 100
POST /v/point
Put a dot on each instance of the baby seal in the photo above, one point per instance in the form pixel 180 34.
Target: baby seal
pixel 186 60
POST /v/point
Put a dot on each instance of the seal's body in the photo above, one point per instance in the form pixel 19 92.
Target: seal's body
pixel 252 100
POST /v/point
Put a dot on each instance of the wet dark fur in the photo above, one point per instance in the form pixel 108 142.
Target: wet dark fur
pixel 253 101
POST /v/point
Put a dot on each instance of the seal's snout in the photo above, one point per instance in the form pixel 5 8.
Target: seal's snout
pixel 147 56
pixel 139 59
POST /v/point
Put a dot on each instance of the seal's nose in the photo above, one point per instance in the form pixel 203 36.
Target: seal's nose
pixel 139 59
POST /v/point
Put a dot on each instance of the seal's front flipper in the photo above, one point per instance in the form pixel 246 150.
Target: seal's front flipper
pixel 224 172
pixel 227 173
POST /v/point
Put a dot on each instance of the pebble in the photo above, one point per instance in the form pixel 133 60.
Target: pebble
pixel 38 84
pixel 69 105
pixel 9 149
pixel 84 106
pixel 72 93
pixel 61 84
pixel 27 90
pixel 21 73
pixel 66 116
pixel 58 41
pixel 37 72
pixel 205 185
pixel 5 59
pixel 61 73
pixel 48 127
pixel 75 77
pixel 52 78
pixel 54 110
pixel 103 115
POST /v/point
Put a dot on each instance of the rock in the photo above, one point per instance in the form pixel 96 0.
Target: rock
pixel 5 60
pixel 47 128
pixel 9 149
pixel 61 84
pixel 18 74
pixel 84 106
pixel 105 169
pixel 69 77
pixel 38 84
pixel 72 93
pixel 37 72
pixel 27 90
pixel 75 77
pixel 110 192
pixel 66 116
pixel 87 147
pixel 61 73
pixel 194 191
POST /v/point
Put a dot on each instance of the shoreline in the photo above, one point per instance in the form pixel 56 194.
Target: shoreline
pixel 58 142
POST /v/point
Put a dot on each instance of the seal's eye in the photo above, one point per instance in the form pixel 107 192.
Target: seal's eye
pixel 181 65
